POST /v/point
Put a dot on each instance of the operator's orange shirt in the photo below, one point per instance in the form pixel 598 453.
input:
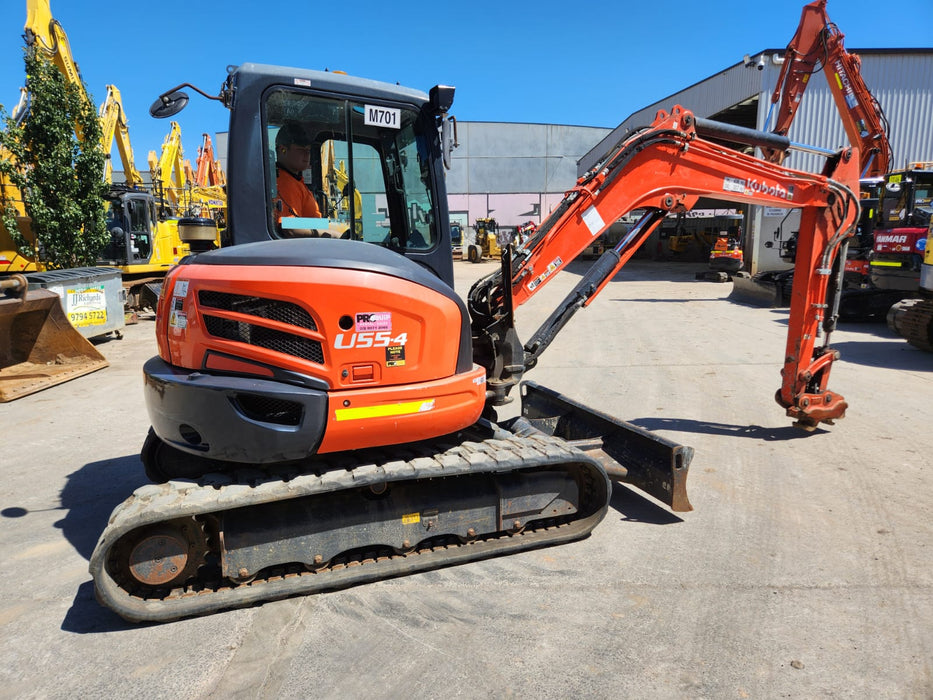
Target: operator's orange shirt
pixel 297 199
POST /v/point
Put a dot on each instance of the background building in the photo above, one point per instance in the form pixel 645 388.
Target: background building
pixel 514 173
pixel 901 80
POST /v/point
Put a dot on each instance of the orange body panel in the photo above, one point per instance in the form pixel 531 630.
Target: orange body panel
pixel 388 347
pixel 406 315
pixel 390 415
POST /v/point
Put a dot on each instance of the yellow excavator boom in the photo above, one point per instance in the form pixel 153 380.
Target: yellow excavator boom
pixel 114 125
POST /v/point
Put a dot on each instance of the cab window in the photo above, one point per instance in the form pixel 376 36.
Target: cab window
pixel 368 171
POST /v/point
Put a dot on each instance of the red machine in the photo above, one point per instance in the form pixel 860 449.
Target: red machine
pixel 208 172
pixel 900 239
pixel 345 398
pixel 726 254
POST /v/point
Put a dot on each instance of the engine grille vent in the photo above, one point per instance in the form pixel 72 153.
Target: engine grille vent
pixel 271 309
pixel 278 341
pixel 269 410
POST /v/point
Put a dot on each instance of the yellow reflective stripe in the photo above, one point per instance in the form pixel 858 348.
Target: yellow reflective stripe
pixel 879 263
pixel 391 409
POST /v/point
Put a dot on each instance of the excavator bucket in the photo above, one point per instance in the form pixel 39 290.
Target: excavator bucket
pixel 39 348
pixel 767 289
pixel 628 453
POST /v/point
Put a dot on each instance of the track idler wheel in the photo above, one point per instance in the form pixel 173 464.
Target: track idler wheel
pixel 165 555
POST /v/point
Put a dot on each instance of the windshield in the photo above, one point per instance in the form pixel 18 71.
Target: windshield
pixel 347 169
pixel 903 195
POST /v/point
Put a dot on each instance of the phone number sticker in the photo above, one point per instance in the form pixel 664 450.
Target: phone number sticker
pixel 86 307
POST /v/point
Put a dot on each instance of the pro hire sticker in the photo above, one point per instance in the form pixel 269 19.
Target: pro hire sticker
pixel 374 321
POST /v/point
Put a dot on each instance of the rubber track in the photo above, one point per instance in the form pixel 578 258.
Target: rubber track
pixel 217 492
pixel 914 323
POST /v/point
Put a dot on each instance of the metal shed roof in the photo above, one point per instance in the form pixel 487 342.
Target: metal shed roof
pixel 900 79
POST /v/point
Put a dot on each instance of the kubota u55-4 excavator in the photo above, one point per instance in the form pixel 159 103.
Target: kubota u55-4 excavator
pixel 331 402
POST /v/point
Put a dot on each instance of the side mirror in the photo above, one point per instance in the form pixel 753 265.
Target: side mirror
pixel 442 98
pixel 169 104
pixel 448 139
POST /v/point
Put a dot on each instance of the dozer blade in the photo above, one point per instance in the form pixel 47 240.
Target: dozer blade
pixel 758 290
pixel 626 452
pixel 39 348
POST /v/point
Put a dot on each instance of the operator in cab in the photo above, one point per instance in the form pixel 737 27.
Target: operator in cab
pixel 293 157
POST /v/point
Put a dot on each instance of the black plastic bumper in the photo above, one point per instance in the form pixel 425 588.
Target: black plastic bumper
pixel 235 419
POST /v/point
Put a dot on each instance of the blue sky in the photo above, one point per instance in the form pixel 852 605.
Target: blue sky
pixel 588 64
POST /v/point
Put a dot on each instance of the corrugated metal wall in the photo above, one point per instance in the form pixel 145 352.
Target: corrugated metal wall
pixel 514 172
pixel 903 85
pixel 506 158
pixel 901 81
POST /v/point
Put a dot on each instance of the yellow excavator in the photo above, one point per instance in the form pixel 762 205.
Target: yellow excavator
pixel 38 346
pixel 337 181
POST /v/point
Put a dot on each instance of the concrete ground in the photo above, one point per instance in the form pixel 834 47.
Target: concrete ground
pixel 805 570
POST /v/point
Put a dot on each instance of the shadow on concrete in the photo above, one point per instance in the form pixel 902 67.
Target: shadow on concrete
pixel 87 616
pixel 635 508
pixel 885 354
pixel 90 495
pixel 756 432
pixel 665 301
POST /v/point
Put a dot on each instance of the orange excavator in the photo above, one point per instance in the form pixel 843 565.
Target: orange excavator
pixel 324 408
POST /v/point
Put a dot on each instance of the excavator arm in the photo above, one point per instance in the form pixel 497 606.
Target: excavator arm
pixel 209 172
pixel 114 126
pixel 45 33
pixel 168 170
pixel 818 44
pixel 665 169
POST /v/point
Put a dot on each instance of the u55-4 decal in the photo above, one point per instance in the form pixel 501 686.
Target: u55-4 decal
pixel 368 339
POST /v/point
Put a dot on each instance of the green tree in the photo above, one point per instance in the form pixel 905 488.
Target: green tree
pixel 57 163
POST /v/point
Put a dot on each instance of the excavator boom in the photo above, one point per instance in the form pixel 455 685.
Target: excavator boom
pixel 666 169
pixel 818 46
pixel 114 126
pixel 44 32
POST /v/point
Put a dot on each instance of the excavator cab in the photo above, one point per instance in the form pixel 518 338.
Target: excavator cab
pixel 130 219
pixel 374 162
